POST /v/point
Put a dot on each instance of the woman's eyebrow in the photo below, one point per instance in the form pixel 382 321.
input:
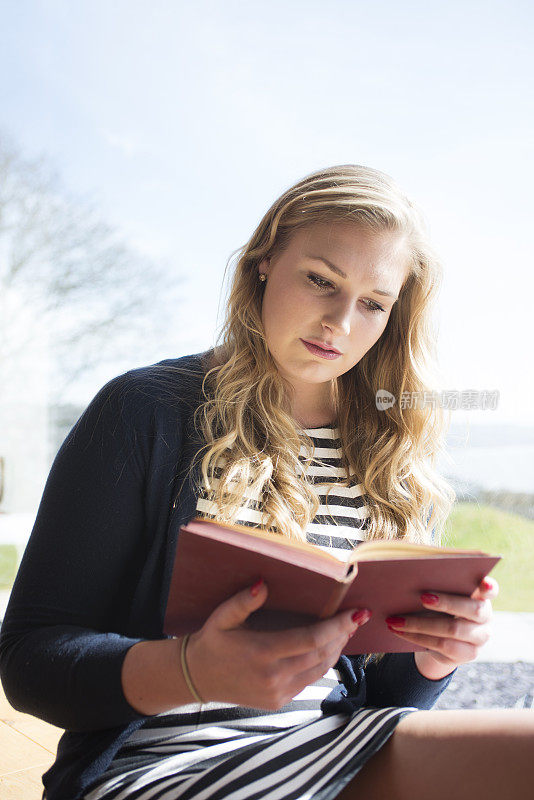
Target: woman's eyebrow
pixel 328 264
pixel 343 275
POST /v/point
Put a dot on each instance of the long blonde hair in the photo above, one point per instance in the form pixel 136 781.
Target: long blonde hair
pixel 245 417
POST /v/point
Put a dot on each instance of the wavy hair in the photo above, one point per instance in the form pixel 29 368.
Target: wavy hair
pixel 252 443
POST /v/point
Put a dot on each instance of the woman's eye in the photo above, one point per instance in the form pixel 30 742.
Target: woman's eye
pixel 374 307
pixel 323 285
pixel 320 283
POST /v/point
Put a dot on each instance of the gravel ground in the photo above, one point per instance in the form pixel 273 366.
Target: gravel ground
pixel 490 685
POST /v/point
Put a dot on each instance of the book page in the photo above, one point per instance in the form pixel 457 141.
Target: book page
pixel 311 556
pixel 396 548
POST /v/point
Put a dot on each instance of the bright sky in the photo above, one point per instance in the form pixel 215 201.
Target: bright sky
pixel 184 121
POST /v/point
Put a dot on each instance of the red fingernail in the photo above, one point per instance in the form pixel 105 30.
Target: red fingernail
pixel 256 587
pixel 397 621
pixel 361 616
pixel 486 585
pixel 431 599
pixel 394 630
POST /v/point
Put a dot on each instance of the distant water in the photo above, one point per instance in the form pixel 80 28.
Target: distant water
pixel 508 467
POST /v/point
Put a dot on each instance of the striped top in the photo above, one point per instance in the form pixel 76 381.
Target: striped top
pixel 340 523
pixel 337 529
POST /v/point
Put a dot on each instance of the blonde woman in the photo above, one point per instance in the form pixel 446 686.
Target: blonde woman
pixel 278 426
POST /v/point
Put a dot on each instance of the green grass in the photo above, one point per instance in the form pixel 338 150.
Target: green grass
pixel 8 565
pixel 472 526
pixel 482 527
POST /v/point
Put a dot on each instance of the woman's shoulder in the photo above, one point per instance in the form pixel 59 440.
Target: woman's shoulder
pixel 173 385
pixel 180 375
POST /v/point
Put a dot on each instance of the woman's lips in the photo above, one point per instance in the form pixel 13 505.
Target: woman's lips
pixel 319 351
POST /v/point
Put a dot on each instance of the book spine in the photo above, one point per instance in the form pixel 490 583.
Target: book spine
pixel 336 598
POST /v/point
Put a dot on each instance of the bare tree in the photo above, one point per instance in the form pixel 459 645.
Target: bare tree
pixel 62 267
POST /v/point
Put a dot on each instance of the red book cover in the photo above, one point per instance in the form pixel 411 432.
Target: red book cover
pixel 214 562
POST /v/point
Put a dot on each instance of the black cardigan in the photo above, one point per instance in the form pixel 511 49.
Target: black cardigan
pixel 94 578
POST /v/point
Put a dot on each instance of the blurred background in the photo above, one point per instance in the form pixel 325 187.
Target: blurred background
pixel 141 143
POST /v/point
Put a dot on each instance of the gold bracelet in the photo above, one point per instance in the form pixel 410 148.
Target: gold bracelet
pixel 185 671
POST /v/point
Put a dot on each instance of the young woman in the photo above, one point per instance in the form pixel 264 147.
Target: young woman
pixel 279 427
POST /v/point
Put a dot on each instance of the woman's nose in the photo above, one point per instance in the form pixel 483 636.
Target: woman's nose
pixel 338 320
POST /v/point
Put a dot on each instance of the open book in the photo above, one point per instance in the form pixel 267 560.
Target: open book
pixel 215 561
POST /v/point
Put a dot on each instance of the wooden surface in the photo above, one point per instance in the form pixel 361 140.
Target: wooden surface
pixel 27 749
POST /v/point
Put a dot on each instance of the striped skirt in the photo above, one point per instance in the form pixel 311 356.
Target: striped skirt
pixel 312 760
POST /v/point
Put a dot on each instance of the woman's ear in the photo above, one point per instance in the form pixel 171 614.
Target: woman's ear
pixel 264 266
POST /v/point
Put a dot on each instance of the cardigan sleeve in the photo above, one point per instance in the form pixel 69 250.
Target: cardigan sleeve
pixel 60 653
pixel 396 681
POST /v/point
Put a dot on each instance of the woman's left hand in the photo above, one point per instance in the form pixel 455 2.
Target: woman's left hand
pixel 456 635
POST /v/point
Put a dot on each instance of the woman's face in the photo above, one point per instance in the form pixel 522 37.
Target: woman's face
pixel 307 299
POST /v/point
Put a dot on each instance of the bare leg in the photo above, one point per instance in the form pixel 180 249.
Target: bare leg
pixel 444 755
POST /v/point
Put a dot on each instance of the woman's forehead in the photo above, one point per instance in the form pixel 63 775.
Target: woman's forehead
pixel 346 245
pixel 336 233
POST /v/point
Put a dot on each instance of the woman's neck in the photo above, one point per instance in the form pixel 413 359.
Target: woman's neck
pixel 318 422
pixel 306 415
pixel 313 416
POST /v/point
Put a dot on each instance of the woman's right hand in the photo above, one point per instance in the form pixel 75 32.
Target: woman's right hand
pixel 262 669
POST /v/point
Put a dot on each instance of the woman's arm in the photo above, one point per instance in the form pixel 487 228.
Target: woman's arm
pixel 61 647
pixel 152 678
